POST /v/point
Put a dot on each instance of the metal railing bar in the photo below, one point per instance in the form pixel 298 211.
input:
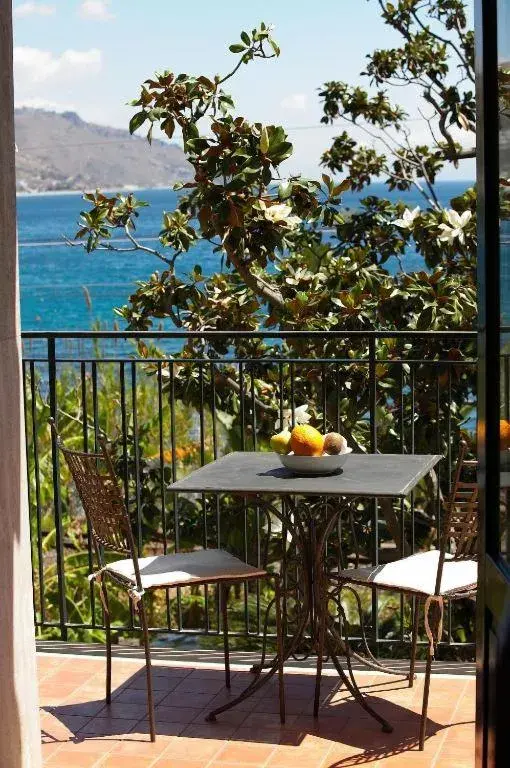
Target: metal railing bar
pixel 162 487
pixel 171 398
pixel 29 492
pixel 37 478
pixel 57 499
pixel 350 334
pixel 201 633
pixel 136 445
pixel 85 437
pixel 229 361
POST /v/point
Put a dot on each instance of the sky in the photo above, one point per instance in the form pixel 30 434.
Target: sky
pixel 90 56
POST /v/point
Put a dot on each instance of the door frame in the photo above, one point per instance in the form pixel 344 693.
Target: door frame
pixel 492 739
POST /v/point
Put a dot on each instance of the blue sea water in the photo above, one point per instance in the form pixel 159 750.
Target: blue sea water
pixel 54 276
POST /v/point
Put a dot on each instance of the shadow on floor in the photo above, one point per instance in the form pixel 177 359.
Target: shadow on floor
pixel 184 696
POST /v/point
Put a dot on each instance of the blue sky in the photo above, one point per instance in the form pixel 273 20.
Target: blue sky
pixel 90 56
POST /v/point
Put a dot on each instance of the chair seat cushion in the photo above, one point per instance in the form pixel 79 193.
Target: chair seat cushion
pixel 417 573
pixel 185 568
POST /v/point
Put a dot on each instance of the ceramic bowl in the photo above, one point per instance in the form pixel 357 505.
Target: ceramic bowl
pixel 314 465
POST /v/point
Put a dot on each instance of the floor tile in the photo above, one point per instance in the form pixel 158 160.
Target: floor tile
pixel 248 754
pixel 66 758
pixel 193 748
pixel 125 761
pixel 142 729
pixel 196 699
pixel 173 763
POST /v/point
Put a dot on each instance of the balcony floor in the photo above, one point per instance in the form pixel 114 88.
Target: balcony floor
pixel 78 729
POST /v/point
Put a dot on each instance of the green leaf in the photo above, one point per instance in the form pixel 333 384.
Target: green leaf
pixel 168 126
pixel 205 81
pixel 245 38
pixel 274 46
pixel 285 190
pixel 266 176
pixel 236 48
pixel 136 121
pixel 339 188
pixel 264 140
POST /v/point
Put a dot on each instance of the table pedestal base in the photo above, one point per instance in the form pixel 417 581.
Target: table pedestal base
pixel 303 590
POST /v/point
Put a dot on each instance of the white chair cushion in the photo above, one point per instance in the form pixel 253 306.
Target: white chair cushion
pixel 185 568
pixel 417 573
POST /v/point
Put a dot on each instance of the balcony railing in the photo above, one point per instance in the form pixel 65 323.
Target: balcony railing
pixel 173 401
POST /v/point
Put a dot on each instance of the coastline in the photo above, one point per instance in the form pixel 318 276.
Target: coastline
pixel 136 188
pixel 113 190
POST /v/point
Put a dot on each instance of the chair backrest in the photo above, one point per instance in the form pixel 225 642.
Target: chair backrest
pixel 460 532
pixel 101 497
pixel 461 507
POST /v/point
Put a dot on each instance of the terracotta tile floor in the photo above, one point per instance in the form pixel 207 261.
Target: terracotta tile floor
pixel 79 730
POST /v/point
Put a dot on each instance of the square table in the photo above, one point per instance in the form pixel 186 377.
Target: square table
pixel 311 506
pixel 363 474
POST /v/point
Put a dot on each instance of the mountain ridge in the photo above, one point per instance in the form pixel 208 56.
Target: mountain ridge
pixel 59 151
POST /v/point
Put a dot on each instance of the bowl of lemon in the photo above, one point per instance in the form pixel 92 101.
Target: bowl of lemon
pixel 305 451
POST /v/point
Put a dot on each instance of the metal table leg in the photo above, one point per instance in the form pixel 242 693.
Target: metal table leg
pixel 304 582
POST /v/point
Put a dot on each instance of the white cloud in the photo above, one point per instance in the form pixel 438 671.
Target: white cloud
pixel 34 9
pixel 294 101
pixel 33 65
pixel 97 10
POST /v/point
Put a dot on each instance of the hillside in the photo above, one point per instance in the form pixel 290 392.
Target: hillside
pixel 62 151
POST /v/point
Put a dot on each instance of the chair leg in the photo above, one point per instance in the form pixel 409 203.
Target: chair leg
pixel 426 691
pixel 416 616
pixel 279 647
pixel 107 622
pixel 223 601
pixel 323 608
pixel 150 697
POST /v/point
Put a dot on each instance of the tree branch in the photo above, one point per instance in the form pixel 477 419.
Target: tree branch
pixel 256 283
pixel 146 249
pixel 445 41
pixel 467 154
pixel 412 180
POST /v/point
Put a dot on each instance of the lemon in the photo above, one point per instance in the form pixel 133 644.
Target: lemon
pixel 280 443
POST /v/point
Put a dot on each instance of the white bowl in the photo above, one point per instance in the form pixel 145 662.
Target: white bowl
pixel 314 465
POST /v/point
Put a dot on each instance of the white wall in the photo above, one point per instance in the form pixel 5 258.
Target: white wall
pixel 19 719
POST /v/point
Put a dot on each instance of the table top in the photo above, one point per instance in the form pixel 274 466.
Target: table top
pixel 363 474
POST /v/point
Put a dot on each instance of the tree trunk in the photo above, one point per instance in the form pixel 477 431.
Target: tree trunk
pixel 19 722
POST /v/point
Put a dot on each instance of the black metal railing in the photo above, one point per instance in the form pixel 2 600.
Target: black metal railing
pixel 172 401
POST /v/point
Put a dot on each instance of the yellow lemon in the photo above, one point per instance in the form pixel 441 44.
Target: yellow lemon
pixel 281 443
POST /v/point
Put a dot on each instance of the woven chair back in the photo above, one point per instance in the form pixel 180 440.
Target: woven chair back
pixel 461 507
pixel 99 491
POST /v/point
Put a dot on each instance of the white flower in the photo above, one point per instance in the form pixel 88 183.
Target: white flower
pixel 455 227
pixel 408 219
pixel 299 275
pixel 281 213
pixel 300 417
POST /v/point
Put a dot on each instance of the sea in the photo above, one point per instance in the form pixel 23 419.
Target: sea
pixel 64 288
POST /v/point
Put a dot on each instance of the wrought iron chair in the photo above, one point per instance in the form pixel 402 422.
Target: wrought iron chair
pixel 431 577
pixel 110 527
